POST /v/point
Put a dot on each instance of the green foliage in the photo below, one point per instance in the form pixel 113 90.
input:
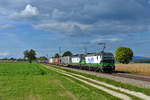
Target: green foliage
pixel 21 59
pixel 30 55
pixel 42 58
pixel 67 53
pixel 5 58
pixel 56 55
pixel 123 55
pixel 12 58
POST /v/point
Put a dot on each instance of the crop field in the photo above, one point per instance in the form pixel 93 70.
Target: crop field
pixel 24 81
pixel 134 67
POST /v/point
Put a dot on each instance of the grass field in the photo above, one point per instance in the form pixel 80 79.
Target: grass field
pixel 134 67
pixel 115 83
pixel 24 81
pixel 118 84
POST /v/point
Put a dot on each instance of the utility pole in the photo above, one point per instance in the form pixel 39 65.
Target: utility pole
pixel 60 51
pixel 47 56
pixel 85 50
pixel 60 54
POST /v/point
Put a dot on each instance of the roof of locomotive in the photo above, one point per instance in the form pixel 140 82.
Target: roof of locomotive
pixel 100 53
pixel 92 54
pixel 65 57
pixel 78 55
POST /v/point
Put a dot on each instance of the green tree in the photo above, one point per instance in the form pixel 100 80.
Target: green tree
pixel 5 58
pixel 30 55
pixel 67 53
pixel 12 58
pixel 56 55
pixel 123 55
pixel 42 58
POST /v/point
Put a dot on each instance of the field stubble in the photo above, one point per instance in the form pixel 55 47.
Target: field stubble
pixel 134 67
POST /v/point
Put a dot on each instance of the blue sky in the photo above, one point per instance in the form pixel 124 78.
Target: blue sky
pixel 46 25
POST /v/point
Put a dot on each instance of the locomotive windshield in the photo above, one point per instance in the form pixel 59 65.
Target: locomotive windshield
pixel 108 58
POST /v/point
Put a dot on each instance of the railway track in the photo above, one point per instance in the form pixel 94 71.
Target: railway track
pixel 133 76
pixel 119 74
pixel 106 87
pixel 141 81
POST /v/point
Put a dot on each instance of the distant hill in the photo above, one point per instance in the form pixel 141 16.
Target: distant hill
pixel 138 58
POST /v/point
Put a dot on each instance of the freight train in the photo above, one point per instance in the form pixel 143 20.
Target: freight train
pixel 103 61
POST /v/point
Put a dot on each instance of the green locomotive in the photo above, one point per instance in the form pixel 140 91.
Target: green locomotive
pixel 94 61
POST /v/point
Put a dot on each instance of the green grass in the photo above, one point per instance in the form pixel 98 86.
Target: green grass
pixel 115 83
pixel 131 96
pixel 24 81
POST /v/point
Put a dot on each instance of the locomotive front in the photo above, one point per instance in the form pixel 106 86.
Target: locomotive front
pixel 108 62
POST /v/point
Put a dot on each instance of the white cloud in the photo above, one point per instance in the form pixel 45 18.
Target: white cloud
pixel 7 26
pixel 65 27
pixel 105 40
pixel 4 53
pixel 3 11
pixel 56 14
pixel 28 12
pixel 105 17
pixel 148 1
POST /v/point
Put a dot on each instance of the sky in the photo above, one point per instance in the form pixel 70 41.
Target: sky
pixel 46 25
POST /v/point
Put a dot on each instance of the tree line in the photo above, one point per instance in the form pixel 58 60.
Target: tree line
pixel 122 55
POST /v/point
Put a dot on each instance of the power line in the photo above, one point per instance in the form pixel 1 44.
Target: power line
pixel 60 51
pixel 104 46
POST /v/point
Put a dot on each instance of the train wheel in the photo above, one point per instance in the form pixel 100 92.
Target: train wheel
pixel 97 69
pixel 89 68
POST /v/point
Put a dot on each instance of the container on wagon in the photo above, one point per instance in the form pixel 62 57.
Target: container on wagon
pixel 51 60
pixel 65 60
pixel 56 61
pixel 77 59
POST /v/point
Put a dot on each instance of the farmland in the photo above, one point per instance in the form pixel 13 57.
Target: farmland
pixel 106 83
pixel 142 68
pixel 24 81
